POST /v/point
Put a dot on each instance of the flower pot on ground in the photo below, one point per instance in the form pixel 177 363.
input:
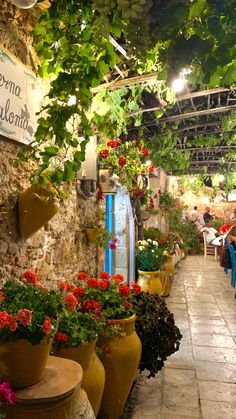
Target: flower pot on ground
pixel 121 364
pixel 150 257
pixel 108 298
pixel 28 322
pixel 37 205
pixel 76 339
pixel 93 371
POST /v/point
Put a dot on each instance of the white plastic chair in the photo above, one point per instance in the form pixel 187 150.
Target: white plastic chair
pixel 209 249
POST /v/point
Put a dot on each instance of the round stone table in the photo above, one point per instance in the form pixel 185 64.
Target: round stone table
pixel 57 396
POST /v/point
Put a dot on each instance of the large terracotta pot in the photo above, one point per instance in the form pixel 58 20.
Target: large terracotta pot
pixel 36 207
pixel 91 234
pixel 22 363
pixel 121 369
pixel 150 281
pixel 93 371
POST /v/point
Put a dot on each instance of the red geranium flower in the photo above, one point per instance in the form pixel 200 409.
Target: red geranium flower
pixel 12 323
pixel 136 287
pixel 104 284
pixel 118 278
pixel 151 168
pixel 61 337
pixel 104 154
pixel 91 305
pixel 2 297
pixel 47 326
pixel 30 276
pixel 92 282
pixel 105 275
pixel 4 319
pixel 24 317
pixel 82 276
pixel 70 301
pixel 78 292
pixel 145 152
pixel 122 161
pixel 63 285
pixel 124 290
pixel 113 144
pixel 127 304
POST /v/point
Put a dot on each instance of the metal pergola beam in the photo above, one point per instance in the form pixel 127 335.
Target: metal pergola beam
pixel 198 113
pixel 205 149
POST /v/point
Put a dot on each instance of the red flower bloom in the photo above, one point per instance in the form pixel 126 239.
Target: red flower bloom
pixel 2 297
pixel 104 275
pixel 108 350
pixel 82 276
pixel 30 276
pixel 61 337
pixel 136 287
pixel 6 394
pixel 124 290
pixel 151 168
pixel 127 304
pixel 118 278
pixel 63 285
pixel 139 192
pixel 104 284
pixel 122 161
pixel 145 152
pixel 112 245
pixel 4 319
pixel 12 324
pixel 113 144
pixel 24 317
pixel 71 287
pixel 47 326
pixel 78 292
pixel 163 240
pixel 91 305
pixel 92 282
pixel 104 154
pixel 70 301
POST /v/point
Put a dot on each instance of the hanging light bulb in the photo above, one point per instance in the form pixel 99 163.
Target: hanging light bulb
pixel 178 85
pixel 24 4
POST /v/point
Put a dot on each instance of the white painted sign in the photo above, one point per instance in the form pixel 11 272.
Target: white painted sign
pixel 20 99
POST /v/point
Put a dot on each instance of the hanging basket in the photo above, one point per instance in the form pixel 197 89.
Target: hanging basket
pixel 36 207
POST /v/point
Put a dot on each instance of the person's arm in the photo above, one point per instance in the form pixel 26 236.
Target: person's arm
pixel 231 238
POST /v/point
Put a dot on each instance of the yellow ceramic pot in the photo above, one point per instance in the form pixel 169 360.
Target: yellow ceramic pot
pixel 150 281
pixel 121 369
pixel 93 371
pixel 36 207
pixel 170 267
pixel 23 364
pixel 91 234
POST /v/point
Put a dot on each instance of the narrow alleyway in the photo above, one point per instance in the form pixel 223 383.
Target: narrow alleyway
pixel 199 381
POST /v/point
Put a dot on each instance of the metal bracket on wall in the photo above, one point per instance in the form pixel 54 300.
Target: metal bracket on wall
pixel 87 188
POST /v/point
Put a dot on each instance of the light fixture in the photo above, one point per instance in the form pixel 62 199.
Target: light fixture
pixel 148 163
pixel 178 85
pixel 191 180
pixel 24 4
pixel 72 101
pixel 221 178
pixel 88 171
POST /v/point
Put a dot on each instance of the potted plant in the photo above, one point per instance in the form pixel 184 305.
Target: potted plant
pixel 118 341
pixel 97 233
pixel 125 159
pixel 28 321
pixel 157 331
pixel 37 205
pixel 149 259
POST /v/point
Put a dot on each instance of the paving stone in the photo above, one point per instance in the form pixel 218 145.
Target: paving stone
pixel 216 371
pixel 218 410
pixel 216 391
pixel 206 353
pixel 208 328
pixel 218 341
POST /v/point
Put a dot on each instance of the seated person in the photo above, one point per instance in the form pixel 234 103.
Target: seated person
pixel 233 215
pixel 211 234
pixel 231 236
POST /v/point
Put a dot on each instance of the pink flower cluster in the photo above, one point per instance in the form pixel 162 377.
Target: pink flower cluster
pixel 7 396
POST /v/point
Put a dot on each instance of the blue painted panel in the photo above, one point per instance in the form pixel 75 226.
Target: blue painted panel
pixel 109 227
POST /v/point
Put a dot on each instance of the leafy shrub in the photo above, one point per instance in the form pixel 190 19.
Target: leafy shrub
pixel 157 331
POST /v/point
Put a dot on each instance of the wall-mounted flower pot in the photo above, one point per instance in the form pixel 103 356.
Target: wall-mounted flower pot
pixel 36 207
pixel 91 234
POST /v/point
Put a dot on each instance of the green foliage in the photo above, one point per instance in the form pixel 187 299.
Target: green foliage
pixel 166 201
pixel 157 331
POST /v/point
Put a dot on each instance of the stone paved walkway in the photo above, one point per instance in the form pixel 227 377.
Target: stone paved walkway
pixel 199 381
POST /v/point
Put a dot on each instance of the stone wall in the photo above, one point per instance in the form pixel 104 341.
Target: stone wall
pixel 60 249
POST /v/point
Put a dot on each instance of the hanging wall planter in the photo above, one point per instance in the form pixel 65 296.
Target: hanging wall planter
pixel 36 206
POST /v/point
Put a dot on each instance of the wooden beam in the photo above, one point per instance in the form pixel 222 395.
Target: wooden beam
pixel 211 161
pixel 208 148
pixel 198 113
pixel 202 132
pixel 199 126
pixel 130 81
